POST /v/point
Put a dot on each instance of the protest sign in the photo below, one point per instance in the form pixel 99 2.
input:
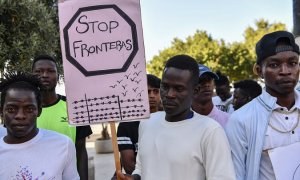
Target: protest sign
pixel 286 162
pixel 104 61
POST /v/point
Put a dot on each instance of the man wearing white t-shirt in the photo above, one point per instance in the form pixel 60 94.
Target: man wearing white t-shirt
pixel 180 144
pixel 270 121
pixel 224 98
pixel 27 152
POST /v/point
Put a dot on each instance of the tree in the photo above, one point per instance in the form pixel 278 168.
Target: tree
pixel 233 59
pixel 26 30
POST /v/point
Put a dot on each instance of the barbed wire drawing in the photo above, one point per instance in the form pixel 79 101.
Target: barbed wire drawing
pixel 97 109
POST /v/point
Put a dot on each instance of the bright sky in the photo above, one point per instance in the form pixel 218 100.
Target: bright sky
pixel 163 20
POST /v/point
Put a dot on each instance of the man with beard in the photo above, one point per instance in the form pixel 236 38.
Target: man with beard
pixel 271 120
pixel 54 116
pixel 202 102
pixel 179 143
pixel 27 152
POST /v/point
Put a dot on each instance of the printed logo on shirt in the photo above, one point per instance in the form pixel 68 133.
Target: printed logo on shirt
pixel 26 174
pixel 222 108
pixel 64 119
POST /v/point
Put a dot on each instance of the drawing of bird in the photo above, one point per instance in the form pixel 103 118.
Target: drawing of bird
pixel 113 86
pixel 139 94
pixel 138 81
pixel 137 73
pixel 135 66
pixel 124 86
pixel 124 93
pixel 132 79
pixel 134 89
pixel 120 81
pixel 127 76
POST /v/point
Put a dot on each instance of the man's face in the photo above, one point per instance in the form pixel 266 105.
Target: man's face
pixel 206 89
pixel 239 98
pixel 280 72
pixel 223 92
pixel 47 72
pixel 154 98
pixel 19 113
pixel 176 92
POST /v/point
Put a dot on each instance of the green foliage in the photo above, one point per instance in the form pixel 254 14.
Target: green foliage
pixel 234 59
pixel 26 30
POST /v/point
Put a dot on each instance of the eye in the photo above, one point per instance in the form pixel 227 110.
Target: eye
pixel 30 109
pixel 273 65
pixel 10 109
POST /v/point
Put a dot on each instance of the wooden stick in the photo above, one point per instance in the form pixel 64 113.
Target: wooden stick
pixel 115 147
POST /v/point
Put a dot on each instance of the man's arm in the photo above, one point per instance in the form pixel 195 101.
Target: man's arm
pixel 128 160
pixel 82 159
pixel 70 171
pixel 217 157
pixel 235 131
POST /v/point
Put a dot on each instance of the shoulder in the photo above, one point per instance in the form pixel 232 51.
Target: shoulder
pixel 52 136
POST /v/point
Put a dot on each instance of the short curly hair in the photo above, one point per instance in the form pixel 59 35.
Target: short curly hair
pixel 20 80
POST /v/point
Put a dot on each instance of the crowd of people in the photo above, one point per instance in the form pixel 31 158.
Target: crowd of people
pixel 198 128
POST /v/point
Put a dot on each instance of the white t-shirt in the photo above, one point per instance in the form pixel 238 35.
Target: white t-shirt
pixel 225 106
pixel 193 149
pixel 48 155
pixel 2 130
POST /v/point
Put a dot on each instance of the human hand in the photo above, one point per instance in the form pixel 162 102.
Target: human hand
pixel 122 176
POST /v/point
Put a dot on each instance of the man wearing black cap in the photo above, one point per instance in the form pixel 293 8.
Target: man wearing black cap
pixel 202 102
pixel 271 120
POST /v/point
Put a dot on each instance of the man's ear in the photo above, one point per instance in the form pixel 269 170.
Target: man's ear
pixel 257 70
pixel 196 89
pixel 39 111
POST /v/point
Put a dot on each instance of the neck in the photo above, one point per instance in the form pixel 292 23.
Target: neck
pixel 203 108
pixel 287 101
pixel 11 139
pixel 48 97
pixel 178 117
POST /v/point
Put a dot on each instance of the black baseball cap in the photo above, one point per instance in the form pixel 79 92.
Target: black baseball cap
pixel 266 46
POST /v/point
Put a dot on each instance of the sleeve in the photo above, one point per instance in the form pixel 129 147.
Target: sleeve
pixel 124 139
pixel 217 158
pixel 138 164
pixel 70 169
pixel 83 132
pixel 235 130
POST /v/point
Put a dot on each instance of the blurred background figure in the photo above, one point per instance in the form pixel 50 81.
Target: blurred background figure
pixel 244 92
pixel 223 100
pixel 202 102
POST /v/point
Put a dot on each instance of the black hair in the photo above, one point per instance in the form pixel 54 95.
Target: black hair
pixel 185 62
pixel 153 81
pixel 43 57
pixel 20 80
pixel 250 87
pixel 223 80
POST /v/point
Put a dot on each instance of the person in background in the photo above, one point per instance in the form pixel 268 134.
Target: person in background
pixel 202 102
pixel 179 143
pixel 244 92
pixel 27 152
pixel 271 120
pixel 128 131
pixel 54 116
pixel 223 100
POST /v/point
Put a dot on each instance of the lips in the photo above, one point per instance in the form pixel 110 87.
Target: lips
pixel 169 104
